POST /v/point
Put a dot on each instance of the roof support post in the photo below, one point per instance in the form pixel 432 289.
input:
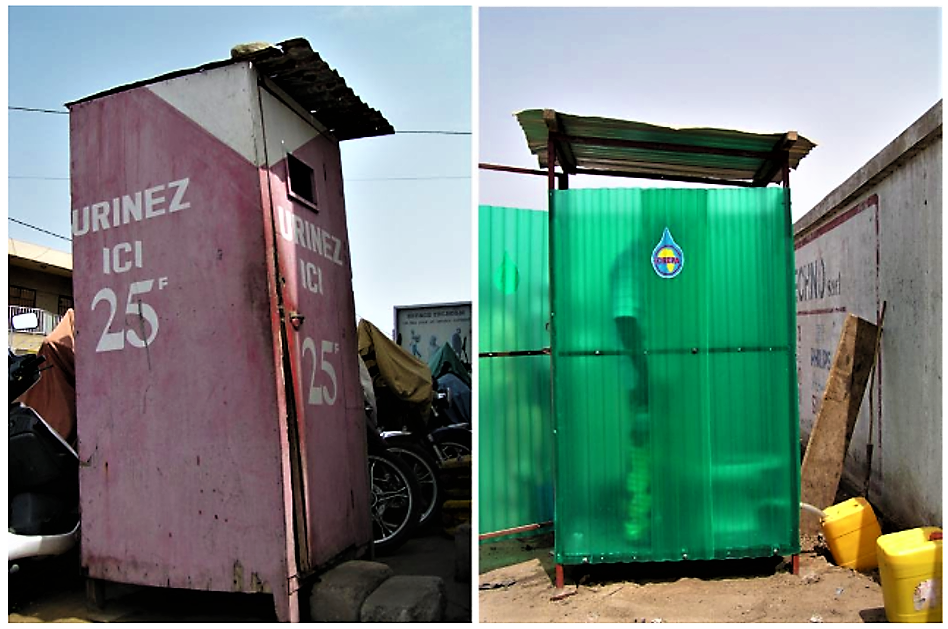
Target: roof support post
pixel 550 163
pixel 786 192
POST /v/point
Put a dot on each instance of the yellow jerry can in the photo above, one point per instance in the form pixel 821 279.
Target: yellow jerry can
pixel 851 530
pixel 910 569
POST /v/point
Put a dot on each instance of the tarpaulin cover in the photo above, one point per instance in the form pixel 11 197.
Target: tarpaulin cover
pixel 397 376
pixel 458 409
pixel 445 361
pixel 515 434
pixel 54 396
pixel 674 377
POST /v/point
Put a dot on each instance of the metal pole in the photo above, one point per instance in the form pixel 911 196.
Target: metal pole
pixel 512 169
pixel 786 191
pixel 550 163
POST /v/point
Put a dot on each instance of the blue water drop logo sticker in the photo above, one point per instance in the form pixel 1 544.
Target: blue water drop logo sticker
pixel 667 257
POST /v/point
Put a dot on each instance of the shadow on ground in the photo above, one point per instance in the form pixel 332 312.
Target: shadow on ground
pixel 433 554
pixel 53 590
pixel 509 552
pixel 876 614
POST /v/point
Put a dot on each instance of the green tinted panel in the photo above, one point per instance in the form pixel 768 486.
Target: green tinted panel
pixel 515 455
pixel 674 375
pixel 513 276
pixel 515 459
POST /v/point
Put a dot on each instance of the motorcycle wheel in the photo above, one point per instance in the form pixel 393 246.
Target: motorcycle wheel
pixel 427 473
pixel 394 503
pixel 452 443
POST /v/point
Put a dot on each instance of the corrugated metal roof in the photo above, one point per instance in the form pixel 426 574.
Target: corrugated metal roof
pixel 635 149
pixel 300 72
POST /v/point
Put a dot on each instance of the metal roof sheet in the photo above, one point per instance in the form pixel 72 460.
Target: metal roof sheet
pixel 592 145
pixel 300 72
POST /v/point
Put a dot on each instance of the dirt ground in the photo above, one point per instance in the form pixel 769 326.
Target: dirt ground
pixel 54 591
pixel 517 585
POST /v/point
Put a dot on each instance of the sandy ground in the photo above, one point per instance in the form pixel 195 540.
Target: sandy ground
pixel 516 585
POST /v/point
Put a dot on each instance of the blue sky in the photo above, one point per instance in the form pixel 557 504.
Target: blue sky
pixel 850 80
pixel 410 238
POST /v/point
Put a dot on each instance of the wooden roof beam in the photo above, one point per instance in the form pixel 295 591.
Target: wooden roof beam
pixel 563 150
pixel 771 167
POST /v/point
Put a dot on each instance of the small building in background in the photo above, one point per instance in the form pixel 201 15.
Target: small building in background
pixel 40 281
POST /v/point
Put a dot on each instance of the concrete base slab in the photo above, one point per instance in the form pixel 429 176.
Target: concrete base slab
pixel 339 594
pixel 406 599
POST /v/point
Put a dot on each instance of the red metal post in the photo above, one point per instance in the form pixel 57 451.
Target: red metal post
pixel 560 577
pixel 795 565
pixel 511 169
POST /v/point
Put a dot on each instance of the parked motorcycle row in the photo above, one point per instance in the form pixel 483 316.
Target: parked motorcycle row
pixel 418 419
pixel 417 422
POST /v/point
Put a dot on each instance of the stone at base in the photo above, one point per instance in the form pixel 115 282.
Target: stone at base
pixel 339 594
pixel 406 599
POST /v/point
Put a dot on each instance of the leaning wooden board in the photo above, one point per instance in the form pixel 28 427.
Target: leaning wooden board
pixel 836 419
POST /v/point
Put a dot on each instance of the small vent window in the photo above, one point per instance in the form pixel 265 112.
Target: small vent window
pixel 302 182
pixel 65 303
pixel 23 297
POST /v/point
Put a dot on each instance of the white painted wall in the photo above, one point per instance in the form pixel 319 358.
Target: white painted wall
pixel 892 206
pixel 220 100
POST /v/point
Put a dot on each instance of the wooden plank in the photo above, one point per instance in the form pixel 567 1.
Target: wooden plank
pixel 836 419
pixel 765 174
pixel 554 128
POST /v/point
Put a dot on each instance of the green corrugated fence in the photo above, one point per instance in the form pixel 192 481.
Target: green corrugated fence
pixel 515 436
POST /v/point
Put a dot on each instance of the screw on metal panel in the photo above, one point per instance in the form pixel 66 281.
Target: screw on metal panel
pixel 694 350
pixel 684 555
pixel 740 349
pixel 598 353
pixel 585 559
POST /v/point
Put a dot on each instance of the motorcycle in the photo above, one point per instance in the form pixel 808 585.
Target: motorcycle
pixel 426 447
pixel 43 479
pixel 396 497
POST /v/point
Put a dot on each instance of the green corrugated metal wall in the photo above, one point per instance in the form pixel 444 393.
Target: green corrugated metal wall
pixel 686 444
pixel 515 437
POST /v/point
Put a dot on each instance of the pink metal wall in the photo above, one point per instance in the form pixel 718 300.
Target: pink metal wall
pixel 182 406
pixel 313 247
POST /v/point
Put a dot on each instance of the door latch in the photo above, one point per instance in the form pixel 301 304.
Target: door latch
pixel 296 320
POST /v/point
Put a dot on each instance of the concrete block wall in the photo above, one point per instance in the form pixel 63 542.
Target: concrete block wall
pixel 875 239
